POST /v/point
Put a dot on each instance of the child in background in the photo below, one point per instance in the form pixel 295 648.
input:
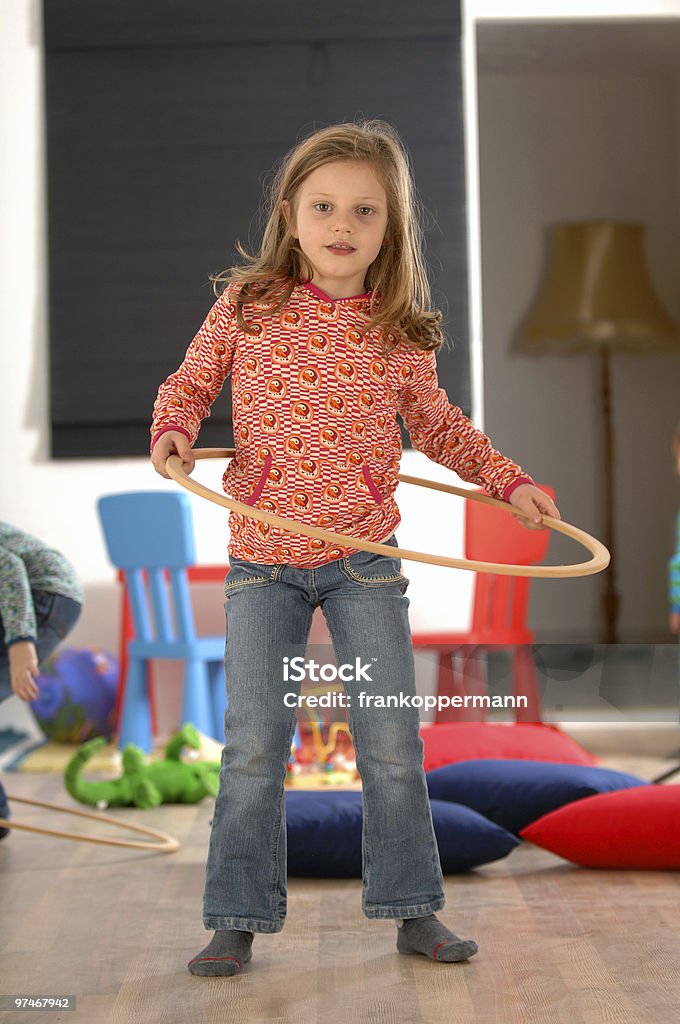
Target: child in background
pixel 40 601
pixel 674 564
pixel 327 334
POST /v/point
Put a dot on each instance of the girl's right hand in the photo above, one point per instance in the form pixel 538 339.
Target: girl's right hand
pixel 172 442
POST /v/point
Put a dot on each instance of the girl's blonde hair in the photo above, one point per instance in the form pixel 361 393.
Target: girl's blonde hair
pixel 398 273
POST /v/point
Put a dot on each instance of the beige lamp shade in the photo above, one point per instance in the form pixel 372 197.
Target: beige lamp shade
pixel 597 295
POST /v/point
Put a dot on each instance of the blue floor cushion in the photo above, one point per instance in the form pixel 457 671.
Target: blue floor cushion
pixel 515 793
pixel 467 839
pixel 324 835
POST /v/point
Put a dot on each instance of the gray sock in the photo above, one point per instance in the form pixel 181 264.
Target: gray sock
pixel 225 955
pixel 430 937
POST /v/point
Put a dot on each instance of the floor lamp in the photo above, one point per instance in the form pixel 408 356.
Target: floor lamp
pixel 598 297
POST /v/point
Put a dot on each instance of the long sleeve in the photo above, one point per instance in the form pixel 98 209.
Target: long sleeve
pixel 26 564
pixel 674 572
pixel 184 400
pixel 443 433
pixel 16 603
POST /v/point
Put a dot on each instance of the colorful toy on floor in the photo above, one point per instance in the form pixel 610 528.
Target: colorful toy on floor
pixel 77 695
pixel 293 766
pixel 146 784
pixel 328 762
pixel 324 749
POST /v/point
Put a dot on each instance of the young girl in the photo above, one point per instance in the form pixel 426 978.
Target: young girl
pixel 327 334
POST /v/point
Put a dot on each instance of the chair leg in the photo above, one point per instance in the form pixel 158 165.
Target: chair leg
pixel 127 633
pixel 451 683
pixel 474 681
pixel 525 684
pixel 135 719
pixel 446 687
pixel 196 703
pixel 218 695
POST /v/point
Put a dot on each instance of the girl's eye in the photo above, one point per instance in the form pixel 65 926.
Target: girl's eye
pixel 318 206
pixel 366 209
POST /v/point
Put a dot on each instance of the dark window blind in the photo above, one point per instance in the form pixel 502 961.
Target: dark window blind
pixel 164 118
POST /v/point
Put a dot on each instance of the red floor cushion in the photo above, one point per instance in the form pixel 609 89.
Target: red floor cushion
pixel 527 741
pixel 630 828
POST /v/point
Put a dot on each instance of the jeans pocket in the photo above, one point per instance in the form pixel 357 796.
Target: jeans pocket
pixel 244 575
pixel 368 569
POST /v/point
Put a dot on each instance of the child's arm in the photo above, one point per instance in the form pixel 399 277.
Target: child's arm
pixel 18 620
pixel 443 433
pixel 184 400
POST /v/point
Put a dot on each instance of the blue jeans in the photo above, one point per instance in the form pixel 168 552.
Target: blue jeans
pixel 269 612
pixel 55 618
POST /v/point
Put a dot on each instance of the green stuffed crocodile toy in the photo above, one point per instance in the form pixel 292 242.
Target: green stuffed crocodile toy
pixel 146 784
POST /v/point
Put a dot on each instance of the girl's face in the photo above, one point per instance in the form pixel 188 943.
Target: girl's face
pixel 339 217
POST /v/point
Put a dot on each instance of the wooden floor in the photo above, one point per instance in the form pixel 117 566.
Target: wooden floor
pixel 558 944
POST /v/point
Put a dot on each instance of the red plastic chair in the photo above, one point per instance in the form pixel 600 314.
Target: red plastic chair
pixel 499 615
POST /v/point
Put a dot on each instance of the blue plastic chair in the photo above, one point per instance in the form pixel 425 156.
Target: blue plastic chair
pixel 149 536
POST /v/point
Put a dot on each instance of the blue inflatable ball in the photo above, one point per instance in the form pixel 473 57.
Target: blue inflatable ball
pixel 77 695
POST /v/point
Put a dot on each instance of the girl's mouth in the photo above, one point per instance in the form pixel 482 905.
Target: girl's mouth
pixel 340 250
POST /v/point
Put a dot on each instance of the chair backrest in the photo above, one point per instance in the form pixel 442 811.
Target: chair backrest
pixel 500 602
pixel 153 529
pixel 150 536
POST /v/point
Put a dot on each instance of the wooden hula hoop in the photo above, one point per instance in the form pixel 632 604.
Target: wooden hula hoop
pixel 165 844
pixel 597 563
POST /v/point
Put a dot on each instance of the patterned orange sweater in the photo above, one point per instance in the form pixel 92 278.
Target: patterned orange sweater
pixel 316 434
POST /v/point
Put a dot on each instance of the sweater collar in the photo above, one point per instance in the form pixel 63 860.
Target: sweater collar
pixel 361 303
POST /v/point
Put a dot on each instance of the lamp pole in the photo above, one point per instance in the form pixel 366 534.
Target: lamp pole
pixel 597 296
pixel 610 596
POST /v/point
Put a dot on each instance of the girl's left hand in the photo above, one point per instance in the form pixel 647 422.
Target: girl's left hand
pixel 23 668
pixel 533 503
